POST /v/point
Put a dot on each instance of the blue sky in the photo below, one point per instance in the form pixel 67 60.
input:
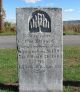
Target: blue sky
pixel 71 8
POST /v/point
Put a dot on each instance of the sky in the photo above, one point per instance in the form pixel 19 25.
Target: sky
pixel 70 8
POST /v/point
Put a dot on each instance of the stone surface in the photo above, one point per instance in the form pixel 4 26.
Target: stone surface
pixel 39 46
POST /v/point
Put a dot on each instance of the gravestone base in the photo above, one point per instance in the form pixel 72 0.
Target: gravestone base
pixel 42 91
pixel 47 88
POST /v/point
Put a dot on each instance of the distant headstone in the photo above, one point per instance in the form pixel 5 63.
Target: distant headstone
pixel 39 46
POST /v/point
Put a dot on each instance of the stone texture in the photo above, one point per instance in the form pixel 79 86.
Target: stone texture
pixel 39 52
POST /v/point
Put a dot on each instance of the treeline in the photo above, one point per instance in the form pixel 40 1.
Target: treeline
pixel 71 27
pixel 67 27
pixel 8 27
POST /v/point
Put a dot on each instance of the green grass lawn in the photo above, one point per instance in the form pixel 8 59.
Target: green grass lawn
pixel 64 33
pixel 71 33
pixel 71 63
pixel 6 91
pixel 8 66
pixel 7 33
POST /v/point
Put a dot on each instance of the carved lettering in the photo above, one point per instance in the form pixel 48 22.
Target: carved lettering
pixel 40 22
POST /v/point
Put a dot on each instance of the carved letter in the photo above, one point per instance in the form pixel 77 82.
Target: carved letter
pixel 39 19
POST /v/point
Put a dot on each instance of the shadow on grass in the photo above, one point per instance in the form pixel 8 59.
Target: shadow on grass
pixel 9 87
pixel 14 87
pixel 71 83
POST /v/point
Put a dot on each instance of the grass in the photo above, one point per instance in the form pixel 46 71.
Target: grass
pixel 71 65
pixel 66 89
pixel 6 91
pixel 71 89
pixel 64 33
pixel 8 66
pixel 7 33
pixel 71 33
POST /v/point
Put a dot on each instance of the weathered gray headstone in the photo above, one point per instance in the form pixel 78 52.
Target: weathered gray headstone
pixel 39 46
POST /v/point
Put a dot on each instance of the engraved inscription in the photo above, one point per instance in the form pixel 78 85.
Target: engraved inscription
pixel 38 50
pixel 40 22
pixel 36 69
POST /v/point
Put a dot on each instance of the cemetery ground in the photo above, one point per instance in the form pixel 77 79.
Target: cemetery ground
pixel 8 67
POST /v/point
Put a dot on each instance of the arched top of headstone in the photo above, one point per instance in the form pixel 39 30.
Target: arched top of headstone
pixel 40 22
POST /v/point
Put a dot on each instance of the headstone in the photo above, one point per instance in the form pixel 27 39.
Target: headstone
pixel 39 46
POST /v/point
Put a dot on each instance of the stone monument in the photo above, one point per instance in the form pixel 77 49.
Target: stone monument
pixel 39 47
